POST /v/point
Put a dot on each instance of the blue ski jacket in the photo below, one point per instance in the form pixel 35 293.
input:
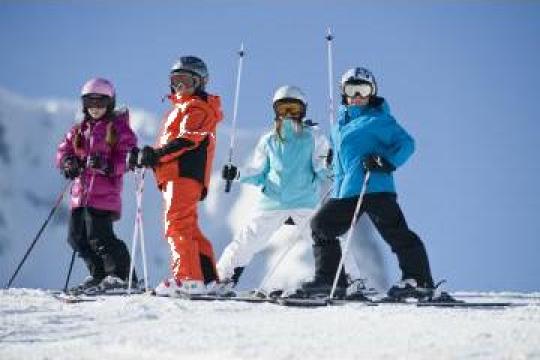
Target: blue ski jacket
pixel 358 132
pixel 289 171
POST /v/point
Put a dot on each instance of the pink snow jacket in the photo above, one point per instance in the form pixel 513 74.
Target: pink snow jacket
pixel 111 138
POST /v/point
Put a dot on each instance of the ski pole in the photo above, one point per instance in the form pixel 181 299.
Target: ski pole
pixel 241 54
pixel 69 271
pixel 38 235
pixel 292 244
pixel 141 232
pixel 329 39
pixel 138 234
pixel 349 234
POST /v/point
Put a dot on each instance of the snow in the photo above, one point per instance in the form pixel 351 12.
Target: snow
pixel 34 325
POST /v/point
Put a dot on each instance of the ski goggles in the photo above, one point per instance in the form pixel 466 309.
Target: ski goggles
pixel 183 80
pixel 363 89
pixel 96 101
pixel 293 109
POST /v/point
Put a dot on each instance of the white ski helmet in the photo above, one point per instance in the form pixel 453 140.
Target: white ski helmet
pixel 290 93
pixel 359 74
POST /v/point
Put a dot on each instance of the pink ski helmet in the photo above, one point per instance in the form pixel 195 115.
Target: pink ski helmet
pixel 98 86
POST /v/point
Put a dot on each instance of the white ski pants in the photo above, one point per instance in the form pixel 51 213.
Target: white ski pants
pixel 256 234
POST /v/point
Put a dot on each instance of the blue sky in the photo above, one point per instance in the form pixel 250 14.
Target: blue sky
pixel 462 77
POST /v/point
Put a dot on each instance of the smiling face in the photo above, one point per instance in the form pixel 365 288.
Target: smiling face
pixel 96 112
pixel 357 92
pixel 358 100
pixel 96 105
pixel 184 83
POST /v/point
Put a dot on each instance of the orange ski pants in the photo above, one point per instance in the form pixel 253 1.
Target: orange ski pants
pixel 192 253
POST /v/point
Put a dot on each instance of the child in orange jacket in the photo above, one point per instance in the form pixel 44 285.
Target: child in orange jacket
pixel 182 160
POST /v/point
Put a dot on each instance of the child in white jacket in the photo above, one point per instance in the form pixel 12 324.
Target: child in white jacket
pixel 289 164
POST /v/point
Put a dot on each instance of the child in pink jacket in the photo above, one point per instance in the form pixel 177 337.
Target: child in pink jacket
pixel 93 155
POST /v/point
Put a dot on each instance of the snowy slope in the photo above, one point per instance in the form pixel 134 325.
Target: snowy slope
pixel 33 325
pixel 30 130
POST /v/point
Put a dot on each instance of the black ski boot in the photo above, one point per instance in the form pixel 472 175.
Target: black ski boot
pixel 113 284
pixel 327 257
pixel 89 285
pixel 409 289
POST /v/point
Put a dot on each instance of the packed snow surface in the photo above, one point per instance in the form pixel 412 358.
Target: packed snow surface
pixel 35 325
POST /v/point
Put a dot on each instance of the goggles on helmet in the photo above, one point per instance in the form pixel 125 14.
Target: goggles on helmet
pixel 362 89
pixel 96 101
pixel 294 109
pixel 183 80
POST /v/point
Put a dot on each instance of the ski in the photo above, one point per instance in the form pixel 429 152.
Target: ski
pixel 303 302
pixel 320 301
pixel 73 299
pixel 466 304
pixel 250 297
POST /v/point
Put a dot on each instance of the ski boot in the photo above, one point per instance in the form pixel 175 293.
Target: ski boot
pixel 90 285
pixel 320 288
pixel 358 291
pixel 112 285
pixel 408 289
pixel 441 296
pixel 222 288
pixel 178 288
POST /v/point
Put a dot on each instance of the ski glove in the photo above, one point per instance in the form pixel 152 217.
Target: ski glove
pixel 133 159
pixel 230 172
pixel 71 167
pixel 377 163
pixel 97 162
pixel 149 157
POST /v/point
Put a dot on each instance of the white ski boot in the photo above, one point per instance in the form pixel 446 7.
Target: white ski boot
pixel 177 288
pixel 222 288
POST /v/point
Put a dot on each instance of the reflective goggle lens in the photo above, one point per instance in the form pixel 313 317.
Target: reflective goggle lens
pixel 352 90
pixel 99 101
pixel 293 109
pixel 183 79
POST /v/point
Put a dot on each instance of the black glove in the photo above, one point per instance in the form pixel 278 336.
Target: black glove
pixel 133 158
pixel 378 164
pixel 149 157
pixel 71 167
pixel 97 162
pixel 329 157
pixel 229 172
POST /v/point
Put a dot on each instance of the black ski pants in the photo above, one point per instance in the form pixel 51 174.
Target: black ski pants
pixel 91 235
pixel 334 219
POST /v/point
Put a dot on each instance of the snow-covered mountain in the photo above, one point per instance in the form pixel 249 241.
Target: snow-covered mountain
pixel 30 130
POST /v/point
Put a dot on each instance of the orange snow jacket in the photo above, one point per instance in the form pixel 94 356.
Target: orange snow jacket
pixel 187 139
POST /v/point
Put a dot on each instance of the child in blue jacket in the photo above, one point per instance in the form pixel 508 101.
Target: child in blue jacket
pixel 367 138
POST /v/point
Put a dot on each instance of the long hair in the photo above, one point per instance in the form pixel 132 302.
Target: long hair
pixel 111 135
pixel 278 125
